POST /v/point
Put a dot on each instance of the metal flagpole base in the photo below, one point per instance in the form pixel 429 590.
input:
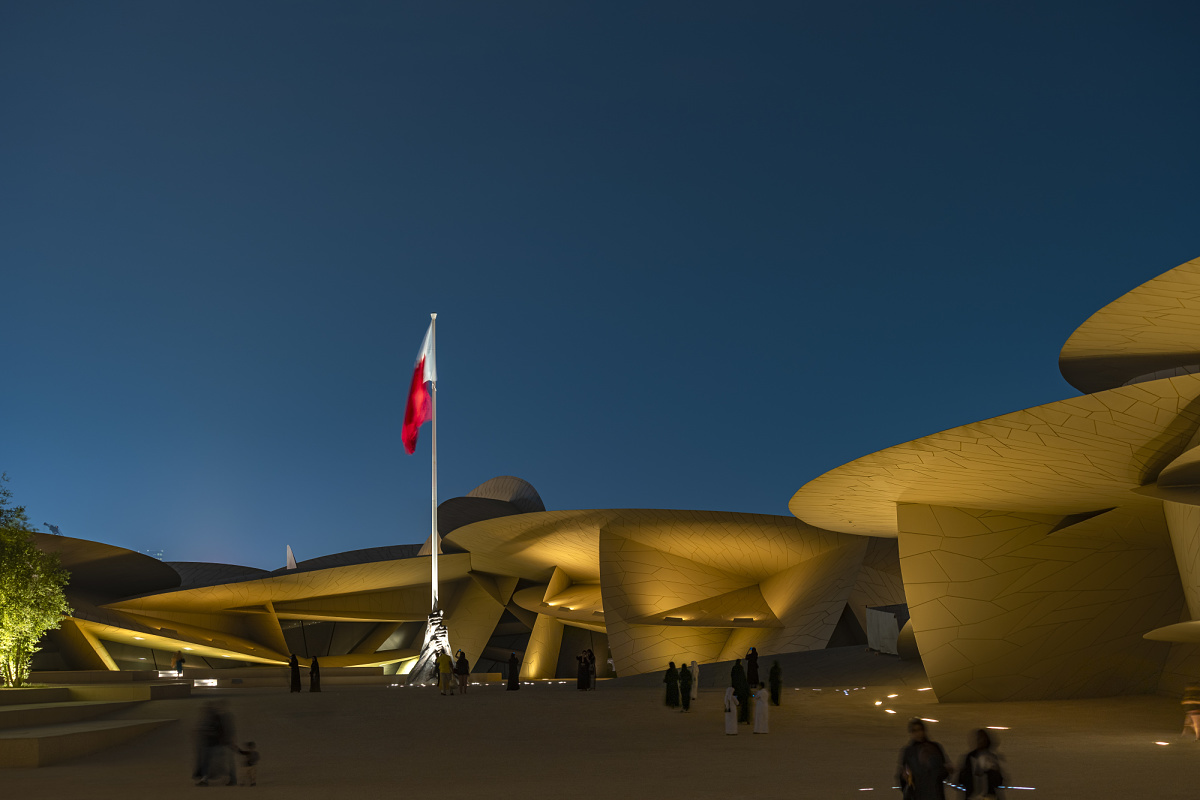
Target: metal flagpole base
pixel 437 639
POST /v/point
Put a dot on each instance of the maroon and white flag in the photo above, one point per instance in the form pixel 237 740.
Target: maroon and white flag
pixel 419 408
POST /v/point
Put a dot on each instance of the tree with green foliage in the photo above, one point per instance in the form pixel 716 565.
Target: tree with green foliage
pixel 11 516
pixel 31 591
pixel 775 682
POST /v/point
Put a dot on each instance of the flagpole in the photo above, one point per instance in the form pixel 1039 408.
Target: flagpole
pixel 434 541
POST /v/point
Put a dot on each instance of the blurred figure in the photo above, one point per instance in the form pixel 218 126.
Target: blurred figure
pixel 923 766
pixel 731 716
pixel 591 657
pixel 695 670
pixel 314 676
pixel 204 739
pixel 445 667
pixel 249 765
pixel 514 673
pixel 462 671
pixel 752 667
pixel 1191 709
pixel 760 709
pixel 217 730
pixel 671 679
pixel 685 688
pixel 177 663
pixel 980 774
pixel 294 663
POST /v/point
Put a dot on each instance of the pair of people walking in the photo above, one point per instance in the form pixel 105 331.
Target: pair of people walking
pixel 924 767
pixel 314 674
pixel 215 750
pixel 453 671
pixel 682 684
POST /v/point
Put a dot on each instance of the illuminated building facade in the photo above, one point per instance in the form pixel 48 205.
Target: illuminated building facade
pixel 1047 553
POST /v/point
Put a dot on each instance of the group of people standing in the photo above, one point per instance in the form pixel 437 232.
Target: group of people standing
pixel 314 674
pixel 744 686
pixel 585 676
pixel 683 685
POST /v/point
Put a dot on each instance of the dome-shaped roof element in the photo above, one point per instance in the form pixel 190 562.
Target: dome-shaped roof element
pixel 511 490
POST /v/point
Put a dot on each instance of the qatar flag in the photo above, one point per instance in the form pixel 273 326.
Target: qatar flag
pixel 419 408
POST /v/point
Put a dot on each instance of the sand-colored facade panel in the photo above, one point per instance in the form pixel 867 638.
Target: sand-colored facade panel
pixel 1050 644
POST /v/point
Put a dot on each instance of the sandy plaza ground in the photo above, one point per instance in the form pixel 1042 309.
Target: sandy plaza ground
pixel 549 740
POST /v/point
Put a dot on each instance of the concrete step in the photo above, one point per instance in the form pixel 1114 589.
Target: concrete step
pixel 50 744
pixel 39 694
pixel 133 691
pixel 28 715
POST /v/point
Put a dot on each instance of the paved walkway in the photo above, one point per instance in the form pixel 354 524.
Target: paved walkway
pixel 549 741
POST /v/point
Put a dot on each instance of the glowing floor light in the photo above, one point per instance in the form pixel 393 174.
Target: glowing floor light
pixel 888 710
pixel 996 728
pixel 893 695
pixel 205 682
pixel 878 702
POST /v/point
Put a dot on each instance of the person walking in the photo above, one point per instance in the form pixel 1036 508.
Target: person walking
pixel 685 688
pixel 177 663
pixel 672 681
pixel 445 667
pixel 752 667
pixel 775 682
pixel 695 670
pixel 731 706
pixel 741 687
pixel 514 673
pixel 462 671
pixel 591 669
pixel 314 676
pixel 582 672
pixel 1191 709
pixel 216 731
pixel 294 664
pixel 923 766
pixel 760 709
pixel 980 776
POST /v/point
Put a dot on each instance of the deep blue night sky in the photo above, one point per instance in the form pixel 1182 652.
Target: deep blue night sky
pixel 684 255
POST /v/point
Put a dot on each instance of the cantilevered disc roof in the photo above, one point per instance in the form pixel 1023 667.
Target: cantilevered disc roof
pixel 1153 329
pixel 1074 456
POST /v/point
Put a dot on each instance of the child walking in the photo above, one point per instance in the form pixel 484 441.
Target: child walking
pixel 249 764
